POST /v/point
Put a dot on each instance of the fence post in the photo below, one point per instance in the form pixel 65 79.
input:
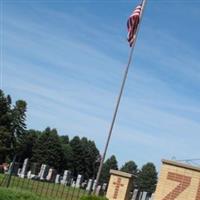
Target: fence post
pixel 11 171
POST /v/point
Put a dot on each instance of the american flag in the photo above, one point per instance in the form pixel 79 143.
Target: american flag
pixel 132 24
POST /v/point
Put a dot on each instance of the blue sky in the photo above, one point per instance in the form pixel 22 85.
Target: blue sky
pixel 66 59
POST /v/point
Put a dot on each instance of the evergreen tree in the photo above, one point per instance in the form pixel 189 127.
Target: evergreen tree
pixel 48 149
pixel 90 156
pixel 5 126
pixel 77 152
pixel 12 126
pixel 85 155
pixel 147 178
pixel 28 141
pixel 64 139
pixel 129 167
pixel 18 125
pixel 111 163
pixel 67 154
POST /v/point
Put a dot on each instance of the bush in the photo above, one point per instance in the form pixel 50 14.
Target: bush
pixel 93 198
pixel 14 194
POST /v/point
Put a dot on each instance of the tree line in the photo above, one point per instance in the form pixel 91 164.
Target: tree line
pixel 79 155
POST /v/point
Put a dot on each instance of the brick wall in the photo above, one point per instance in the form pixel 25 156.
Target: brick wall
pixel 178 182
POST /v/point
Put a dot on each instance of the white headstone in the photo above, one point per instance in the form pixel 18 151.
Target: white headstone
pixel 42 171
pixel 49 175
pixel 78 181
pixel 140 195
pixel 151 198
pixel 104 187
pixel 66 177
pixel 19 171
pixel 89 185
pixel 93 186
pixel 57 178
pixel 144 195
pixel 29 175
pixel 135 192
pixel 24 168
pixel 84 185
pixel 73 184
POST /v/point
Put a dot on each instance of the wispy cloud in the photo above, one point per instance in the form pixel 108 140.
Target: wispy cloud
pixel 69 69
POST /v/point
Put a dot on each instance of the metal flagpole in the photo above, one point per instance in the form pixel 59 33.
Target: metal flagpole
pixel 119 98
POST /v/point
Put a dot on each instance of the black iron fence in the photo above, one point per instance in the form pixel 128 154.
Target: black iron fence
pixel 43 188
pixel 46 182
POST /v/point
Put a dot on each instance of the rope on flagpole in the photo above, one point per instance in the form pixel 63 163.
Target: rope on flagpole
pixel 119 99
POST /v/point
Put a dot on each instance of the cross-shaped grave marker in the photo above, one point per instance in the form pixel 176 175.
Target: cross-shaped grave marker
pixel 117 186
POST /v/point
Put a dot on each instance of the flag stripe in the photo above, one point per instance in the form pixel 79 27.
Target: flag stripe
pixel 132 24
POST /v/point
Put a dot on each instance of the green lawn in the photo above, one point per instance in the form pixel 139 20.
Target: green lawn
pixel 13 194
pixel 44 189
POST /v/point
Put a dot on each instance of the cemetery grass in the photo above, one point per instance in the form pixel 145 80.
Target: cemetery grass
pixel 14 194
pixel 44 189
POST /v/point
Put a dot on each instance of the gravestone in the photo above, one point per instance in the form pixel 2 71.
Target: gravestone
pixel 135 193
pixel 78 181
pixel 5 167
pixel 71 181
pixel 152 197
pixel 89 185
pixel 50 174
pixel 66 177
pixel 120 185
pixel 19 171
pixel 94 184
pixel 140 195
pixel 53 177
pixel 84 185
pixel 144 195
pixel 43 172
pixel 73 184
pixel 98 190
pixel 29 175
pixel 57 180
pixel 178 181
pixel 35 168
pixel 104 187
pixel 24 168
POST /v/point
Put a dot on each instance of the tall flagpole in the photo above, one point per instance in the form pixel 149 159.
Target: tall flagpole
pixel 119 98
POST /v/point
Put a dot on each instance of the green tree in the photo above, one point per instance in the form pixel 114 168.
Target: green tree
pixel 111 163
pixel 18 125
pixel 64 139
pixel 67 154
pixel 129 167
pixel 90 157
pixel 28 141
pixel 77 151
pixel 12 126
pixel 147 178
pixel 48 149
pixel 5 126
pixel 85 155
